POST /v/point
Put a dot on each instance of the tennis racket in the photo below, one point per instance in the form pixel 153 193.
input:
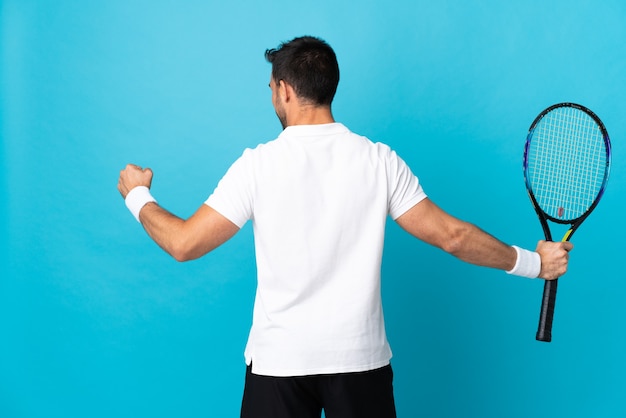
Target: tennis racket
pixel 567 160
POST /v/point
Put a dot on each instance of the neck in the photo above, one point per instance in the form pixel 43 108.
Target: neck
pixel 310 115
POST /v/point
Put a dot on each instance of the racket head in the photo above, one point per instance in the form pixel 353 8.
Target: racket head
pixel 567 161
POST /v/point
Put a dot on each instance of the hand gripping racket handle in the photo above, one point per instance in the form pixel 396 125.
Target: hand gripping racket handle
pixel 544 332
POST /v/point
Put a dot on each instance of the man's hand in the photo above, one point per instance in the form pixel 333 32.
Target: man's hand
pixel 133 176
pixel 554 258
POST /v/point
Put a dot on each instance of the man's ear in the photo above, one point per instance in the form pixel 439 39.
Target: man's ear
pixel 286 90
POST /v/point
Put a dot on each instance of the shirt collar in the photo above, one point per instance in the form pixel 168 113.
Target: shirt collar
pixel 314 130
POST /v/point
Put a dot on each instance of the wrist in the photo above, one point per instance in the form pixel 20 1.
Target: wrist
pixel 527 264
pixel 137 198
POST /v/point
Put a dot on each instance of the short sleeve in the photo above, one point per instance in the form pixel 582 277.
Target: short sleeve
pixel 405 190
pixel 232 197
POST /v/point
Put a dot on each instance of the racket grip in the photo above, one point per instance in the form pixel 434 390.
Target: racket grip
pixel 544 332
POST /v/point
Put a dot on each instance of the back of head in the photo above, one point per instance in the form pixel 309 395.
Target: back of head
pixel 309 65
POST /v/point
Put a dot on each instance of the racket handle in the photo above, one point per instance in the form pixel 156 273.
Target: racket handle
pixel 544 332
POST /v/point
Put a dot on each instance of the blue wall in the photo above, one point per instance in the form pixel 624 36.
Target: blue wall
pixel 96 321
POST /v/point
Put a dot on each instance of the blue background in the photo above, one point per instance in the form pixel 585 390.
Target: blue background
pixel 96 321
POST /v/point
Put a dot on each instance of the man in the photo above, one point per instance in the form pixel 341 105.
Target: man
pixel 318 197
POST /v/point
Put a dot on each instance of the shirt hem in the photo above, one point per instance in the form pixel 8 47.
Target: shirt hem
pixel 263 371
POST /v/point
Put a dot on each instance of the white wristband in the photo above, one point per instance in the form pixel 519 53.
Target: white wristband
pixel 528 263
pixel 137 198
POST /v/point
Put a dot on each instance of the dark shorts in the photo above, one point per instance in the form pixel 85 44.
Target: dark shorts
pixel 344 395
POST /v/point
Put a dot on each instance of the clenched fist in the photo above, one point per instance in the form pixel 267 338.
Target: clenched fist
pixel 133 176
pixel 554 258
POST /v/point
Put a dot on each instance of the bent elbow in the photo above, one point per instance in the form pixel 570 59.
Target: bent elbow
pixel 180 256
pixel 181 252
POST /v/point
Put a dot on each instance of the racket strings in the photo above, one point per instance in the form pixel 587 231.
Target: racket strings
pixel 566 162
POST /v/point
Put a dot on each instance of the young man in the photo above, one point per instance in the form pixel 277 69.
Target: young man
pixel 318 197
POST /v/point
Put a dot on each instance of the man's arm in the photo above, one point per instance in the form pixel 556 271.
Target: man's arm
pixel 184 240
pixel 469 243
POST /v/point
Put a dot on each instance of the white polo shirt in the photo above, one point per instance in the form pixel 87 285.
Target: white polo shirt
pixel 318 197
